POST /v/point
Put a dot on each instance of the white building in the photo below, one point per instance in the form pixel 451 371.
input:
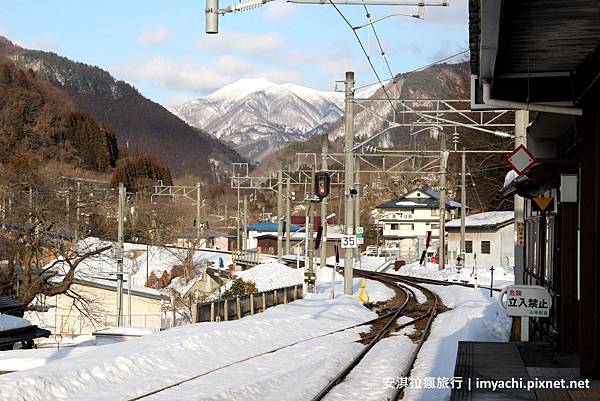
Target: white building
pixel 489 239
pixel 405 221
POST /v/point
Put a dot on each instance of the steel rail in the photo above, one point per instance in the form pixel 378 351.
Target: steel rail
pixel 356 360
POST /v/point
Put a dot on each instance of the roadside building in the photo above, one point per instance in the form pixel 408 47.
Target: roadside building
pixel 489 239
pixel 95 310
pixel 404 222
pixel 208 239
pixel 267 241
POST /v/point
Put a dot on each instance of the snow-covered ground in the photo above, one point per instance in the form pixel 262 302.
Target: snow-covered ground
pixel 280 354
pixel 475 316
pixel 125 369
pixel 274 275
pixel 269 276
pixel 365 262
pixel 503 276
pixel 141 260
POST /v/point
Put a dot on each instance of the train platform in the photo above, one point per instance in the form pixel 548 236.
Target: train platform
pixel 515 371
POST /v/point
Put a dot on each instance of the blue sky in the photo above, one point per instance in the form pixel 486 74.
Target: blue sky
pixel 160 46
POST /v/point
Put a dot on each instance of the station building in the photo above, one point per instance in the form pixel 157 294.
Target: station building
pixel 543 56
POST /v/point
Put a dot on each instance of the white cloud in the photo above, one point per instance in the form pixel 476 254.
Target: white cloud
pixel 192 76
pixel 45 41
pixel 457 13
pixel 175 98
pixel 153 36
pixel 278 10
pixel 241 42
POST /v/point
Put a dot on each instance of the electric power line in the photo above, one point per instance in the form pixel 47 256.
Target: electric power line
pixel 421 68
pixel 365 53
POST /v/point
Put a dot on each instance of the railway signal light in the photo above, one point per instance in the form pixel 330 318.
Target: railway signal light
pixel 322 184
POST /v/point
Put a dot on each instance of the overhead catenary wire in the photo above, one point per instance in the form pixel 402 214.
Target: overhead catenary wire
pixel 420 68
pixel 365 53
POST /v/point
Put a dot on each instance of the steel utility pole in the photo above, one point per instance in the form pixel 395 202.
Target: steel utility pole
pixel 78 208
pixel 323 249
pixel 349 177
pixel 463 206
pixel 357 209
pixel 245 224
pixel 279 216
pixel 288 216
pixel 120 254
pixel 237 222
pixel 198 213
pixel 309 235
pixel 521 122
pixel 442 230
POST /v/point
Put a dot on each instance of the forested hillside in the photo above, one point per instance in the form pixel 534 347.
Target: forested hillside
pixel 138 123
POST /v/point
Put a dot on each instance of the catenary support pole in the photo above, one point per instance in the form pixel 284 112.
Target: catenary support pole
pixel 77 210
pixel 323 247
pixel 279 216
pixel 442 229
pixel 198 213
pixel 120 254
pixel 463 207
pixel 357 208
pixel 349 177
pixel 288 215
pixel 521 122
pixel 245 224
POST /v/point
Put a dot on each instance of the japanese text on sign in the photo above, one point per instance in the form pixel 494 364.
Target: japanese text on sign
pixel 527 300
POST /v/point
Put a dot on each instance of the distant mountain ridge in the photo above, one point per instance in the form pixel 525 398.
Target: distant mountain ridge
pixel 138 123
pixel 258 116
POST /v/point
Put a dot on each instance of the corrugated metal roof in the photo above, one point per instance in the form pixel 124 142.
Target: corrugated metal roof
pixel 271 227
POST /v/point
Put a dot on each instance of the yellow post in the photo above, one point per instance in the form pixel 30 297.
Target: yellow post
pixel 362 294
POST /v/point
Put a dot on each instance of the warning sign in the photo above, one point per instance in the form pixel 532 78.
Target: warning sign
pixel 521 160
pixel 526 300
pixel 543 202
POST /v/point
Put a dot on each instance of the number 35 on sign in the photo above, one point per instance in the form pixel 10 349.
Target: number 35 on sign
pixel 348 241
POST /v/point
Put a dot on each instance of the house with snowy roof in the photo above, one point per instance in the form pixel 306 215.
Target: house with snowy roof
pixel 489 239
pixel 404 222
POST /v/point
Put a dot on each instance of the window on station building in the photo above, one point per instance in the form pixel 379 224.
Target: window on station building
pixel 435 226
pixel 435 212
pixel 486 247
pixel 393 226
pixel 407 226
pixel 468 246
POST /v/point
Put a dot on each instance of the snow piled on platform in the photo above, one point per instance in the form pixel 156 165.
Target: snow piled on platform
pixel 475 316
pixel 127 369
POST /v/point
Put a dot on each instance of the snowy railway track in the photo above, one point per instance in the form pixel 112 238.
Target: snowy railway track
pixel 407 285
pixel 384 317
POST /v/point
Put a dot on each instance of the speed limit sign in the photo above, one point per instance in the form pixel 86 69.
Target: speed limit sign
pixel 348 241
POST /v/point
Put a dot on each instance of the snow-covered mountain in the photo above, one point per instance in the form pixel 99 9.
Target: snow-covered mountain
pixel 258 116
